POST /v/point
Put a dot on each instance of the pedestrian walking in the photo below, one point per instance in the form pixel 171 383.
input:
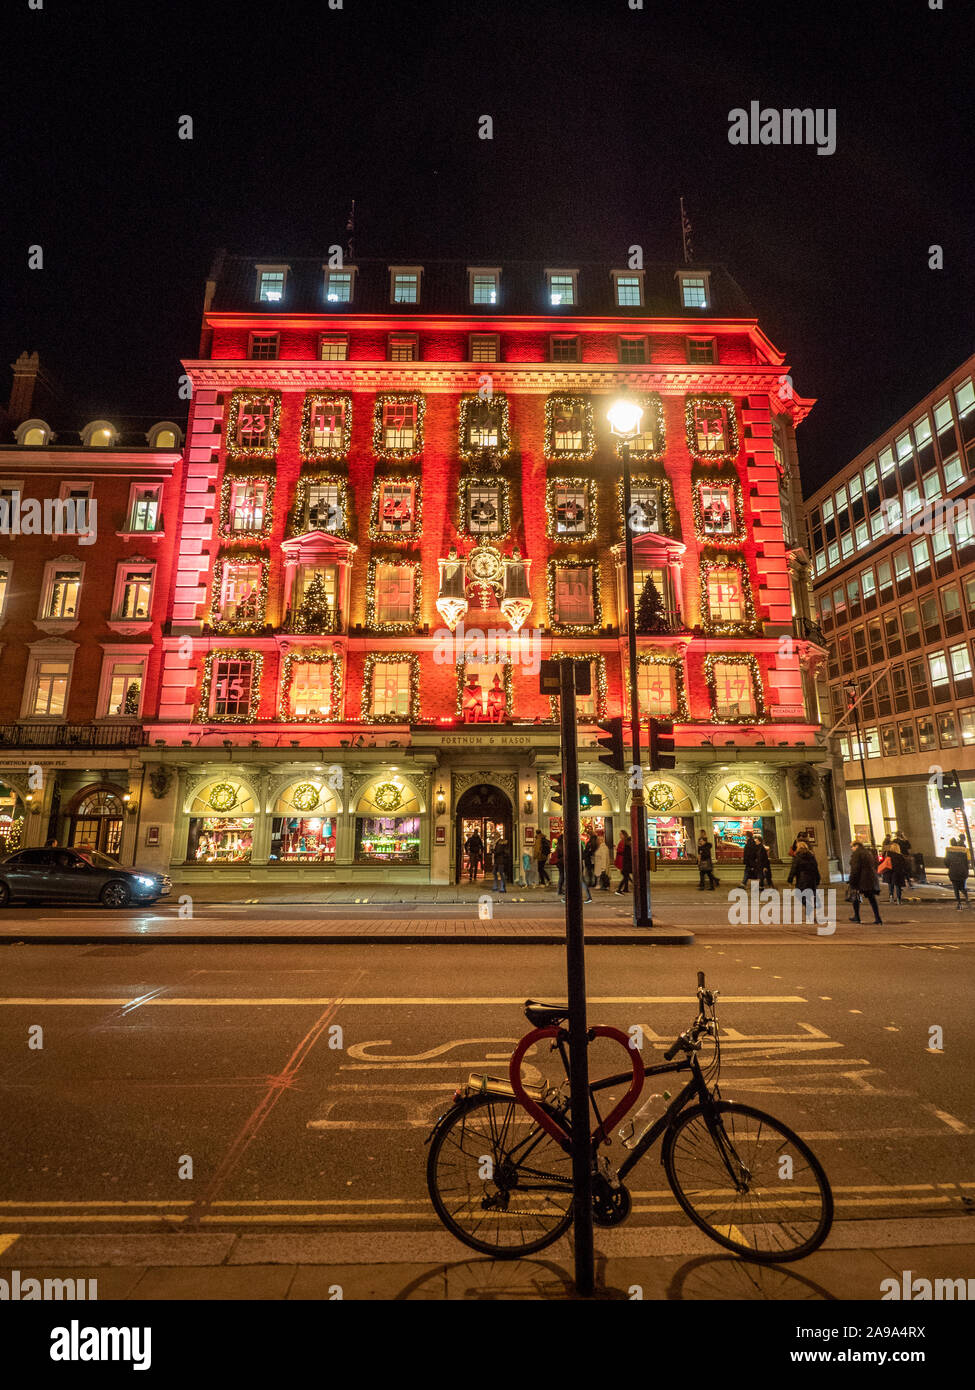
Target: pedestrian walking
pixel 588 850
pixel 541 850
pixel 624 861
pixel 527 869
pixel 474 847
pixel 895 874
pixel 862 880
pixel 749 859
pixel 499 860
pixel 956 862
pixel 584 884
pixel 600 862
pixel 764 864
pixel 804 873
pixel 704 864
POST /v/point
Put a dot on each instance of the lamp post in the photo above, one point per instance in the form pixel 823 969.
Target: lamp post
pixel 853 701
pixel 624 417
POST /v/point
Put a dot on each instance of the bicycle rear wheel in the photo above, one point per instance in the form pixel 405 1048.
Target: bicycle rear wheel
pixel 748 1181
pixel 497 1180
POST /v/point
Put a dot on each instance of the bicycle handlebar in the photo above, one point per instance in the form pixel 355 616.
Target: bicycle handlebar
pixel 686 1040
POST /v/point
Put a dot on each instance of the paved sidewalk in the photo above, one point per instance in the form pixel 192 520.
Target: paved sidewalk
pixel 671 1262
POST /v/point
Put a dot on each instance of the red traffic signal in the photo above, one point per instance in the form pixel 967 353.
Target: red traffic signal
pixel 614 756
pixel 662 744
pixel 555 788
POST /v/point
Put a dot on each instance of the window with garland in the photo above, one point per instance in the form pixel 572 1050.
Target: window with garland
pixel 726 601
pixel 314 599
pixel 240 592
pixel 323 508
pixel 483 420
pixel 310 691
pixel 657 690
pixel 230 689
pixel 571 508
pixel 254 416
pixel 646 508
pixel 399 424
pixel 483 510
pixel 394 593
pixel 327 423
pixel 712 433
pixel 248 506
pixel 717 502
pixel 391 688
pixel 574 596
pixel 396 508
pixel 734 690
pixel 569 427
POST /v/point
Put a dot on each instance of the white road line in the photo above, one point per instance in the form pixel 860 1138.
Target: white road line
pixel 957 1126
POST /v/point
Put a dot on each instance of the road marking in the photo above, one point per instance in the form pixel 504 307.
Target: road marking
pixel 7 1241
pixel 24 1002
pixel 956 1125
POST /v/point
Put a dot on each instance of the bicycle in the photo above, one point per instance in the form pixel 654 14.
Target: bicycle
pixel 499 1169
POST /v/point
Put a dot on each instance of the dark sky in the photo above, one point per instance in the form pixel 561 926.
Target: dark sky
pixel 603 117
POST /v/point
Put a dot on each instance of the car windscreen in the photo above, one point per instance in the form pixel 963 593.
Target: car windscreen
pixel 100 861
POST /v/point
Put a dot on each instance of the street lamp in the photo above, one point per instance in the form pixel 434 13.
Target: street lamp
pixel 624 417
pixel 853 705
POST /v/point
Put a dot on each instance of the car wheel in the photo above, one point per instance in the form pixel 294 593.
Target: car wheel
pixel 116 894
pixel 4 895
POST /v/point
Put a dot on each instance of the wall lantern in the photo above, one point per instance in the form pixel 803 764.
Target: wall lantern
pixel 441 801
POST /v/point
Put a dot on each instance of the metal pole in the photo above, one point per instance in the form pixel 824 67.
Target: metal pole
pixel 575 946
pixel 638 820
pixel 863 769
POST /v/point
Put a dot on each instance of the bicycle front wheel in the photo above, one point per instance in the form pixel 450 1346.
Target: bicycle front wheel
pixel 748 1181
pixel 497 1180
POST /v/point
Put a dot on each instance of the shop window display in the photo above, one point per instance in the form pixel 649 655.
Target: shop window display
pixel 303 840
pixel 387 839
pixel 220 840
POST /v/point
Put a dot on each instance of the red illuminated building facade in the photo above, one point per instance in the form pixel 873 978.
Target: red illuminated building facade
pixel 401 492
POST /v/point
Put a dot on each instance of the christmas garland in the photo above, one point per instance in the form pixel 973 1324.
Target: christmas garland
pixel 464 486
pixel 737 627
pixel 738 511
pixel 413 714
pixel 316 657
pixel 203 715
pixel 735 659
pixel 551 514
pixel 296 522
pixel 730 452
pixel 224 526
pixel 306 448
pixel 375 534
pixel 652 406
pixel 563 403
pixel 601 690
pixel 371 620
pixel 240 398
pixel 379 446
pixel 666 498
pixel 235 625
pixel 660 797
pixel 387 796
pixel 680 713
pixel 742 797
pixel 473 453
pixel 568 629
pixel 504 663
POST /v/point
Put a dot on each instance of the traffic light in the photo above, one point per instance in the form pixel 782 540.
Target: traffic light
pixel 584 794
pixel 662 744
pixel 555 788
pixel 614 757
pixel 949 793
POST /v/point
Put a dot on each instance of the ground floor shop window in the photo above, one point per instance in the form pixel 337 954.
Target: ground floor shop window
pixel 950 825
pixel 729 836
pixel 387 839
pixel 220 840
pixel 303 840
pixel 671 836
pixel 11 820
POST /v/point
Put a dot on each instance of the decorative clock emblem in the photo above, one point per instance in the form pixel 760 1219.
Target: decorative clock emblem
pixel 661 797
pixel 388 796
pixel 741 796
pixel 306 797
pixel 484 563
pixel 223 797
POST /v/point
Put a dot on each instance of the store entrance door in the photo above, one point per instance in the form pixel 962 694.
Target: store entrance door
pixel 488 812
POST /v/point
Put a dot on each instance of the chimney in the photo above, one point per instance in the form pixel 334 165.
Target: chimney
pixel 33 391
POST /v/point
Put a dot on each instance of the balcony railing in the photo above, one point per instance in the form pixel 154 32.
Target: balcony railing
pixel 810 631
pixel 72 736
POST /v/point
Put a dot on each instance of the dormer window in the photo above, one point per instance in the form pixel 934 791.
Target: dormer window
pixel 33 434
pixel 270 283
pixel 628 288
pixel 404 284
pixel 339 284
pixel 483 285
pixel 561 287
pixel 100 434
pixel 165 435
pixel 695 289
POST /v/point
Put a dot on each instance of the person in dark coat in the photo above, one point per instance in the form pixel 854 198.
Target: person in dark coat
pixel 475 855
pixel 764 864
pixel 624 861
pixel 704 865
pixel 588 850
pixel 750 857
pixel 956 862
pixel 501 861
pixel 863 880
pixel 804 873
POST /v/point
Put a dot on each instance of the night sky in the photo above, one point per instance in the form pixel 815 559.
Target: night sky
pixel 603 117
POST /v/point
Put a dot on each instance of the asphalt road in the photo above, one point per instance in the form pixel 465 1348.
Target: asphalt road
pixel 229 1056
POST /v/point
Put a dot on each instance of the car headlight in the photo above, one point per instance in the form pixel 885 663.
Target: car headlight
pixel 145 880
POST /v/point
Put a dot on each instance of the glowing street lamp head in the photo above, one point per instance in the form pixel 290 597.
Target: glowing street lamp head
pixel 624 417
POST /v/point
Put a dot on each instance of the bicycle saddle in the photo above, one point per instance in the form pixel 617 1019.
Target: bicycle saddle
pixel 545 1015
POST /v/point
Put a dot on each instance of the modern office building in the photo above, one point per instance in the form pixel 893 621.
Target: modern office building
pixel 401 492
pixel 893 550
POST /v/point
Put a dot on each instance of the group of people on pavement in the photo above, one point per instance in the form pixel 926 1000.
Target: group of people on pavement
pixel 546 854
pixel 500 852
